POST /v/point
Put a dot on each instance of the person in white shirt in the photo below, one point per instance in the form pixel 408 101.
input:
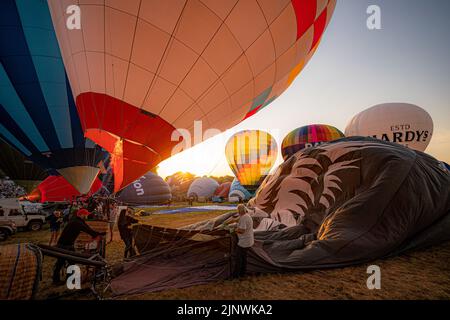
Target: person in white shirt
pixel 244 232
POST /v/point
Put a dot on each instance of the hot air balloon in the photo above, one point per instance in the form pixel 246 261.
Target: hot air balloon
pixel 203 187
pixel 238 193
pixel 402 123
pixel 149 189
pixel 19 168
pixel 141 70
pixel 308 136
pixel 39 117
pixel 223 190
pixel 57 189
pixel 251 154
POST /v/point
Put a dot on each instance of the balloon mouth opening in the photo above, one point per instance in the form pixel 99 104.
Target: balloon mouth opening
pixel 129 159
pixel 34 196
pixel 80 177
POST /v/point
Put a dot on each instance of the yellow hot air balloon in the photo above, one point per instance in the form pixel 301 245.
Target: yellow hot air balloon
pixel 140 70
pixel 251 154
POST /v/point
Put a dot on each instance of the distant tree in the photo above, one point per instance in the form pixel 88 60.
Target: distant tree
pixel 179 183
pixel 223 179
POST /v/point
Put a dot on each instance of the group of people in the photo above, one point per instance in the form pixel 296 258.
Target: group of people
pixel 8 189
pixel 73 221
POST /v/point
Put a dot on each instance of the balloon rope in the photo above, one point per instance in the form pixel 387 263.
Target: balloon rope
pixel 184 241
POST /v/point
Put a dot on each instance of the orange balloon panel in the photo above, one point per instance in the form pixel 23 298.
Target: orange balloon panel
pixel 185 60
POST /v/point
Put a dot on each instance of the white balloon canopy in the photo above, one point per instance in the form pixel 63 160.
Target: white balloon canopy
pixel 402 123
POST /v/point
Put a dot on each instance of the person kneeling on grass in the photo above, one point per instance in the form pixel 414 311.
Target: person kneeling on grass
pixel 68 236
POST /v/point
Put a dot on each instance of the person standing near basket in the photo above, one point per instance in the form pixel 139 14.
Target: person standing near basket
pixel 124 223
pixel 55 220
pixel 112 215
pixel 244 232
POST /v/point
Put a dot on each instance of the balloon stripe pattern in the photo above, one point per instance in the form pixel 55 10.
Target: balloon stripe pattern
pixel 251 154
pixel 39 116
pixel 18 168
pixel 170 63
pixel 308 136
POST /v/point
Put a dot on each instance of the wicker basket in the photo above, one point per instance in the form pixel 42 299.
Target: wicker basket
pixel 20 271
pixel 84 239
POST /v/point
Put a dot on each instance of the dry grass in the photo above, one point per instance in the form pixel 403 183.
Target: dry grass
pixel 422 274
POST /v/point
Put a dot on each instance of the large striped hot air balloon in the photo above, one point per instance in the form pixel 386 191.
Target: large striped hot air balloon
pixel 38 113
pixel 308 136
pixel 141 69
pixel 251 154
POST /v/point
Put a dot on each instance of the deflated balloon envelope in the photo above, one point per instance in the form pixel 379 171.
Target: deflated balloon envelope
pixel 140 70
pixel 39 117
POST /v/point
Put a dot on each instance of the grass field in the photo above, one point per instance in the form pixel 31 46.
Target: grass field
pixel 422 274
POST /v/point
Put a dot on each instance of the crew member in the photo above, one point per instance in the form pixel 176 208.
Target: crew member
pixel 244 232
pixel 124 223
pixel 68 236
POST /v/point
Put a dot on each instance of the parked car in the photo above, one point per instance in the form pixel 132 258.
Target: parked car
pixel 7 229
pixel 32 207
pixel 48 208
pixel 12 210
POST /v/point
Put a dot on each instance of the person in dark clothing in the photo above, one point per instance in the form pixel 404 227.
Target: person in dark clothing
pixel 92 205
pixel 55 220
pixel 68 236
pixel 124 222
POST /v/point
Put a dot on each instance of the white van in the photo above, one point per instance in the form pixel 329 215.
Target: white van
pixel 12 210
